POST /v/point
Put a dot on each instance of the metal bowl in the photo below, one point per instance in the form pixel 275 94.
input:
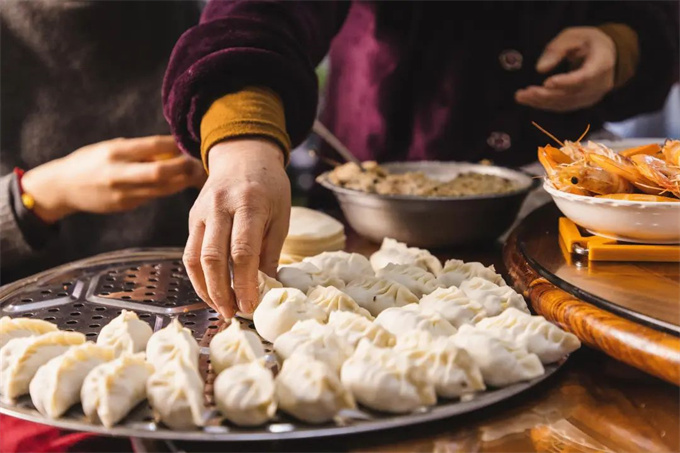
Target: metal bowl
pixel 433 221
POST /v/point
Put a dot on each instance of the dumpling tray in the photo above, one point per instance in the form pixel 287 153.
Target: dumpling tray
pixel 85 295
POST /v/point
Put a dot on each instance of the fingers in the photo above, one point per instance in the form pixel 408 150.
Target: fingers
pixel 215 262
pixel 559 48
pixel 143 148
pixel 554 100
pixel 152 173
pixel 192 262
pixel 575 80
pixel 273 243
pixel 246 243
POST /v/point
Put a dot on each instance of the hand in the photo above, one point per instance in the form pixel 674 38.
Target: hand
pixel 242 213
pixel 595 54
pixel 111 176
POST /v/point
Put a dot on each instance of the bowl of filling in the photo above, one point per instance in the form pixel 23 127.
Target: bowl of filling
pixel 429 204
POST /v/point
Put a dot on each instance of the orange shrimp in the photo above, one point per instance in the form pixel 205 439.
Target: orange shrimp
pixel 671 152
pixel 595 179
pixel 554 170
pixel 649 150
pixel 626 169
pixel 659 172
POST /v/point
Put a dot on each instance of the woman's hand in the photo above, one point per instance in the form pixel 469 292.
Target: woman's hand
pixel 595 54
pixel 111 176
pixel 239 220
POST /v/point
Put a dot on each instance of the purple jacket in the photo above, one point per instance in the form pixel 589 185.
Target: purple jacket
pixel 410 80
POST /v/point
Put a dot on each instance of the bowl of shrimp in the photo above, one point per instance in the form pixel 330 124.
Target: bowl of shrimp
pixel 632 195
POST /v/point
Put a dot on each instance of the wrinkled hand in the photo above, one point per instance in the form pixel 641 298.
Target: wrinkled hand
pixel 239 221
pixel 111 176
pixel 593 54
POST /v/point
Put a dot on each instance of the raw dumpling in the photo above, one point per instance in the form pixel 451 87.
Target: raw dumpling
pixel 233 346
pixel 330 299
pixel 376 295
pixel 305 275
pixel 319 342
pixel 392 251
pixel 384 380
pixel 454 306
pixel 113 389
pixel 416 279
pixel 352 328
pixel 280 309
pixel 456 272
pixel 493 298
pixel 264 284
pixel 56 385
pixel 244 394
pixel 175 393
pixel 125 333
pixel 546 340
pixel 501 362
pixel 400 320
pixel 171 341
pixel 23 327
pixel 20 358
pixel 451 370
pixel 342 265
pixel 310 390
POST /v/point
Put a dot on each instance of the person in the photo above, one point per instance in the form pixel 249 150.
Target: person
pixel 408 81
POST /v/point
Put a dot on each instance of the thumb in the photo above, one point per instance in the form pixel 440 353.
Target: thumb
pixel 556 50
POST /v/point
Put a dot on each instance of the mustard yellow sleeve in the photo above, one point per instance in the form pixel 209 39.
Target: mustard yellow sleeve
pixel 251 112
pixel 627 51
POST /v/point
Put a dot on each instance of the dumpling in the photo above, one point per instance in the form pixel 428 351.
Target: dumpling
pixel 376 295
pixel 125 333
pixel 172 340
pixel 23 327
pixel 175 393
pixel 233 346
pixel 456 272
pixel 280 309
pixel 451 370
pixel 264 284
pixel 384 380
pixel 244 394
pixel 113 389
pixel 319 342
pixel 56 385
pixel 454 306
pixel 305 275
pixel 493 298
pixel 400 320
pixel 546 340
pixel 310 390
pixel 352 328
pixel 392 251
pixel 342 265
pixel 416 279
pixel 20 358
pixel 501 362
pixel 330 299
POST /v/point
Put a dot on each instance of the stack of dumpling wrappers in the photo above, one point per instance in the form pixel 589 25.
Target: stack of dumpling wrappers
pixel 310 233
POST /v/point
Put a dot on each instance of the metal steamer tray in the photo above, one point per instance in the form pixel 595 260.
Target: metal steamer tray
pixel 85 295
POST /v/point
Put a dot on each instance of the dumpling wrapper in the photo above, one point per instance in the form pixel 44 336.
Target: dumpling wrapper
pixel 495 299
pixel 400 320
pixel 305 275
pixel 244 394
pixel 342 265
pixel 11 328
pixel 353 328
pixel 314 340
pixel 394 252
pixel 454 306
pixel 171 341
pixel 280 309
pixel 455 272
pixel 264 284
pixel 416 279
pixel 234 346
pixel 126 333
pixel 376 295
pixel 330 299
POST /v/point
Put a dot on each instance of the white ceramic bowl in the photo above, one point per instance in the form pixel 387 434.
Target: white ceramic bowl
pixel 631 221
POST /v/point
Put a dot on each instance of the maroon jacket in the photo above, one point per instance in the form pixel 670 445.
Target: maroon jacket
pixel 410 80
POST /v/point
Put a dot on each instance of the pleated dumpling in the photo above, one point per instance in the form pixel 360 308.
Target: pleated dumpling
pixel 495 299
pixel 376 294
pixel 23 327
pixel 315 340
pixel 342 265
pixel 330 299
pixel 400 320
pixel 353 328
pixel 501 362
pixel 454 306
pixel 310 390
pixel 175 393
pixel 280 309
pixel 125 333
pixel 244 394
pixel 234 346
pixel 20 358
pixel 264 284
pixel 113 389
pixel 535 333
pixel 171 341
pixel 384 380
pixel 451 370
pixel 305 275
pixel 416 279
pixel 392 251
pixel 456 272
pixel 56 385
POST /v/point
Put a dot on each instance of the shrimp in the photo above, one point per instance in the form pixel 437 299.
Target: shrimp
pixel 626 169
pixel 595 179
pixel 671 152
pixel 649 150
pixel 550 158
pixel 658 171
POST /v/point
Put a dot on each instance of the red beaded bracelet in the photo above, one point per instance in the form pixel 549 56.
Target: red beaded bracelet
pixel 27 200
